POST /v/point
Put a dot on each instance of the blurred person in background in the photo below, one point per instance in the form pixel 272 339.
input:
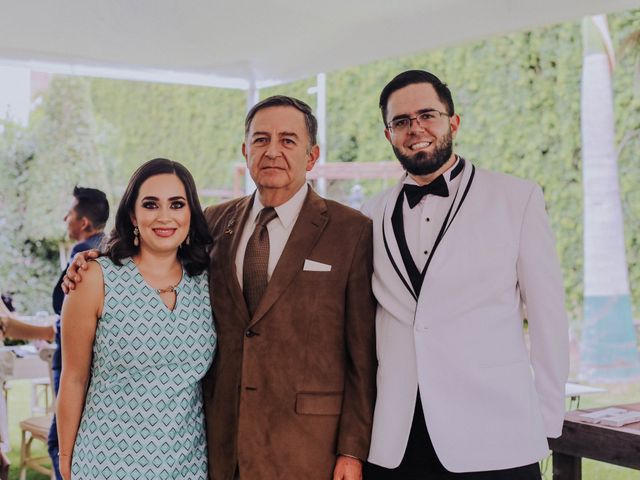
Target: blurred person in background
pixel 86 219
pixel 140 328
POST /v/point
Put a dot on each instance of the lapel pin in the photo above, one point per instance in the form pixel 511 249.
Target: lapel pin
pixel 229 230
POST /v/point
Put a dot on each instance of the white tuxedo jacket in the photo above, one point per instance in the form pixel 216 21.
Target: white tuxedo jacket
pixel 489 401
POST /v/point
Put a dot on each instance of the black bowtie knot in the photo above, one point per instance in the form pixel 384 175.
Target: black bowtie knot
pixel 415 193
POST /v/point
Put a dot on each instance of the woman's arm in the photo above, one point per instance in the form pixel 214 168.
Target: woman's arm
pixel 80 313
pixel 14 328
pixel 11 327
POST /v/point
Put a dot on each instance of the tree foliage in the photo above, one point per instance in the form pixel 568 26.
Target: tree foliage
pixel 27 266
pixel 41 165
pixel 66 154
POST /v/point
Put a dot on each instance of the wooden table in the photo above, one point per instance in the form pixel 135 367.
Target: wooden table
pixel 616 445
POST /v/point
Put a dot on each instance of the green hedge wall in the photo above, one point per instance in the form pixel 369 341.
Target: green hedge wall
pixel 518 95
pixel 197 126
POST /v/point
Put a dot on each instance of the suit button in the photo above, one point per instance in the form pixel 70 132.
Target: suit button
pixel 250 333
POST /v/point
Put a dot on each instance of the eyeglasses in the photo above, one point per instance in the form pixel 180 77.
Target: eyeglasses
pixel 427 118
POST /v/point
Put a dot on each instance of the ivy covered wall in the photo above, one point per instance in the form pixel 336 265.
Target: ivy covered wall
pixel 518 95
pixel 197 126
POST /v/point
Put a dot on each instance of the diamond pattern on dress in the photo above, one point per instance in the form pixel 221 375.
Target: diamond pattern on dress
pixel 143 414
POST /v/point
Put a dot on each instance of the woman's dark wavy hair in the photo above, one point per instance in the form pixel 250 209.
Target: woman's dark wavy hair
pixel 194 257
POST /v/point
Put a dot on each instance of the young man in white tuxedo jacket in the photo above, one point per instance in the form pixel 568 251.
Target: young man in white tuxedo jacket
pixel 461 257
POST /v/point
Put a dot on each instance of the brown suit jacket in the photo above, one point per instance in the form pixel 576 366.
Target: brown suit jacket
pixel 293 386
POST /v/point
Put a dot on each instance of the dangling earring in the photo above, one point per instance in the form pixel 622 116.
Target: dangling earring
pixel 188 240
pixel 136 240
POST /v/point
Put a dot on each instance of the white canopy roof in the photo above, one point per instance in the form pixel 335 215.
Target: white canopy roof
pixel 239 43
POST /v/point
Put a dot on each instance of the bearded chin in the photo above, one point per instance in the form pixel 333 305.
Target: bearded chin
pixel 424 163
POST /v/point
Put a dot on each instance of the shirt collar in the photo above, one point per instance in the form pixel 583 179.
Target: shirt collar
pixel 288 211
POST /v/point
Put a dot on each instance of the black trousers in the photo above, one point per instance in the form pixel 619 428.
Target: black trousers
pixel 420 461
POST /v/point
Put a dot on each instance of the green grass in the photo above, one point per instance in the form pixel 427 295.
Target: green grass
pixel 19 398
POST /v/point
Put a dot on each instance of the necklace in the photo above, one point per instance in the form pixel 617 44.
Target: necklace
pixel 170 288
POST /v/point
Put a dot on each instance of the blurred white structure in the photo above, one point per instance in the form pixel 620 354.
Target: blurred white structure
pixel 251 44
pixel 15 94
pixel 608 348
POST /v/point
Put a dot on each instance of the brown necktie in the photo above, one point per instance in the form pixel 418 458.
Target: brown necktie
pixel 256 260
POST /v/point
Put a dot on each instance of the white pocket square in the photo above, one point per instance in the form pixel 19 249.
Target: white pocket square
pixel 312 266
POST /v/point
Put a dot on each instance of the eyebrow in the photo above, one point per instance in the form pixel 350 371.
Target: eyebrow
pixel 282 134
pixel 156 199
pixel 289 134
pixel 418 112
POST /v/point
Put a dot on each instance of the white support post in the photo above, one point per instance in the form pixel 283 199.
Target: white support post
pixel 321 114
pixel 15 94
pixel 253 97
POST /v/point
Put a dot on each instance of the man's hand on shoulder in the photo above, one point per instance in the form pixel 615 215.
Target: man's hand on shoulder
pixel 347 468
pixel 74 271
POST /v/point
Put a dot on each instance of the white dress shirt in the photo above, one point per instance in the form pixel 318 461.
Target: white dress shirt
pixel 279 229
pixel 422 223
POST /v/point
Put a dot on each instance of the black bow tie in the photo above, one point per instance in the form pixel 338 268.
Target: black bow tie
pixel 415 193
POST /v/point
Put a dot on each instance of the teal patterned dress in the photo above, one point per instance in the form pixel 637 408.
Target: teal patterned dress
pixel 143 416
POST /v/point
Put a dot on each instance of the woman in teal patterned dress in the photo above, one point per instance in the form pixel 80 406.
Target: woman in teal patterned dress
pixel 139 336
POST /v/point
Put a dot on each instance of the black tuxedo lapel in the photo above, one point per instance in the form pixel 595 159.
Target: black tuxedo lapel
pixel 391 243
pixel 397 221
pixel 461 195
pixel 416 277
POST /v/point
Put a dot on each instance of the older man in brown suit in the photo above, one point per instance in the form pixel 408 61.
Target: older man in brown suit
pixel 291 391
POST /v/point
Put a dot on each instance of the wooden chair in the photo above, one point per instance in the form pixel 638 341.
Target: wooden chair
pixel 6 367
pixel 37 428
pixel 34 428
pixel 40 399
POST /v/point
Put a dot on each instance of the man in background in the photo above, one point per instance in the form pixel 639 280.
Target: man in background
pixel 86 219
